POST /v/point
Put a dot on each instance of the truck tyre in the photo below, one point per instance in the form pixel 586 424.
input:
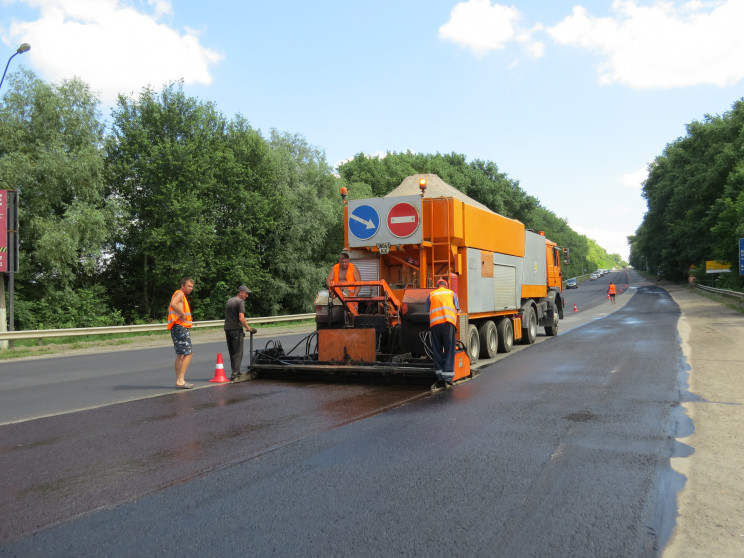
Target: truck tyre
pixel 473 345
pixel 529 331
pixel 506 335
pixel 489 339
pixel 552 329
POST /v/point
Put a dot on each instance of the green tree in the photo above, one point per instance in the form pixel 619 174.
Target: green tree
pixel 693 194
pixel 185 180
pixel 50 151
pixel 212 199
pixel 308 212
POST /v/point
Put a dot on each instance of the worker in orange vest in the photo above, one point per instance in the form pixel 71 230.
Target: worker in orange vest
pixel 611 292
pixel 443 306
pixel 344 271
pixel 179 323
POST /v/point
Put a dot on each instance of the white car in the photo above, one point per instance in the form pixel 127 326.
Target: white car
pixel 593 277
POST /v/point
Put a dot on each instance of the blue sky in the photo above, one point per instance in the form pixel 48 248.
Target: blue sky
pixel 572 99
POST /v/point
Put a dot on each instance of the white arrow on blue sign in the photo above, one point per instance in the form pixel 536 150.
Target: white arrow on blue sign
pixel 364 222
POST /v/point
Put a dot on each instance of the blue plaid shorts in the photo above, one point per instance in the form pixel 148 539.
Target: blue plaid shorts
pixel 181 340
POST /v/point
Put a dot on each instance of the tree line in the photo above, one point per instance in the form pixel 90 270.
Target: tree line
pixel 113 213
pixel 695 198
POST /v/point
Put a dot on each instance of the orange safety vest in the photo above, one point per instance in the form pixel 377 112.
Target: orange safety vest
pixel 349 276
pixel 612 290
pixel 173 318
pixel 442 307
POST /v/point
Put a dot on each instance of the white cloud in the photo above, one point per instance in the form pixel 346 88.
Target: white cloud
pixel 644 44
pixel 111 46
pixel 481 27
pixel 662 45
pixel 162 7
pixel 634 179
pixel 612 240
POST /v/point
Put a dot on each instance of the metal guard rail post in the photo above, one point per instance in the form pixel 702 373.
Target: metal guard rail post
pixel 108 330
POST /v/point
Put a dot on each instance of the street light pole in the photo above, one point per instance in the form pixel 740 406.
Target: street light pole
pixel 25 47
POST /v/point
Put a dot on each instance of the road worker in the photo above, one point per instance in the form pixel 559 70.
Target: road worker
pixel 443 306
pixel 235 328
pixel 611 292
pixel 344 271
pixel 179 323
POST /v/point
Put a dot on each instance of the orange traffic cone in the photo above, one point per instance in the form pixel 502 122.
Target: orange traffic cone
pixel 219 371
pixel 575 309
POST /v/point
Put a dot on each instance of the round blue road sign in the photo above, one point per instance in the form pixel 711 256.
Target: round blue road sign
pixel 364 222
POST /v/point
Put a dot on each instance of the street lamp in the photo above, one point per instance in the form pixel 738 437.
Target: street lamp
pixel 25 47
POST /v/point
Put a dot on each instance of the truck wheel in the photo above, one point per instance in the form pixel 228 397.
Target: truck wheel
pixel 473 346
pixel 552 329
pixel 529 331
pixel 506 335
pixel 489 339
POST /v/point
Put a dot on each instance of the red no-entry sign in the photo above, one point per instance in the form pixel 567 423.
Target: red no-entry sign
pixel 403 220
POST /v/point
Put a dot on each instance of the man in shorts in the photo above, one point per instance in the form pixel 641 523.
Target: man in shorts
pixel 179 323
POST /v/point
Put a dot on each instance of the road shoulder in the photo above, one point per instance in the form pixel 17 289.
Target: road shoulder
pixel 710 519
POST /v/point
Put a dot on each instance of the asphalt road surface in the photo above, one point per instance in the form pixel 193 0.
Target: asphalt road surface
pixel 560 449
pixel 34 387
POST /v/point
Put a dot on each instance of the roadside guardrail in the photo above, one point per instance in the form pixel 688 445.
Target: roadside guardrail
pixel 109 330
pixel 725 292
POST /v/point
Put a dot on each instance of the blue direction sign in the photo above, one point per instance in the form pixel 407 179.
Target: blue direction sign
pixel 364 222
pixel 741 256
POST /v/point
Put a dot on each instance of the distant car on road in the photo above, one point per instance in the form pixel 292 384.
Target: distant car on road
pixel 572 283
pixel 593 277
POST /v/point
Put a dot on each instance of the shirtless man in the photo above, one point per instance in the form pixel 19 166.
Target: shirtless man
pixel 179 323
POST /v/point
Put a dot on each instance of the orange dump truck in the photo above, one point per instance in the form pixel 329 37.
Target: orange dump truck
pixel 508 281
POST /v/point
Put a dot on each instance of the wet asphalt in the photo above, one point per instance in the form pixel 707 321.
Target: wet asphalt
pixel 561 449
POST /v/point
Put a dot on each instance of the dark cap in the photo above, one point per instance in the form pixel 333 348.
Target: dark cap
pixel 244 289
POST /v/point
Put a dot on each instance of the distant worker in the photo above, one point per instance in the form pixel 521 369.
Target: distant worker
pixel 612 291
pixel 235 326
pixel 443 306
pixel 179 323
pixel 691 281
pixel 344 271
